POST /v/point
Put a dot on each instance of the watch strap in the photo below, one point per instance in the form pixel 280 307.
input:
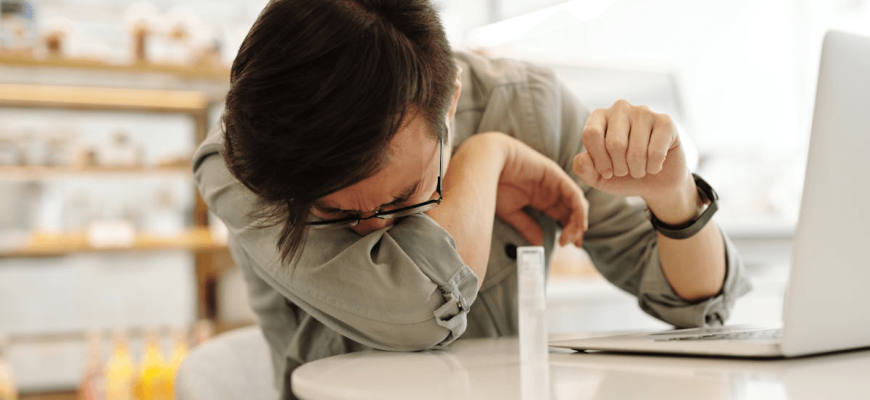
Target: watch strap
pixel 690 228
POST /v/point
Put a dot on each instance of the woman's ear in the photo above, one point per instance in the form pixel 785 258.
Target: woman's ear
pixel 458 90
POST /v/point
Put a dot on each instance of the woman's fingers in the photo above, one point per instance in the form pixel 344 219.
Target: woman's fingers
pixel 662 138
pixel 525 225
pixel 627 140
pixel 639 140
pixel 593 139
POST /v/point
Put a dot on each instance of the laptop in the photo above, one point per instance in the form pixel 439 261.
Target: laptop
pixel 826 308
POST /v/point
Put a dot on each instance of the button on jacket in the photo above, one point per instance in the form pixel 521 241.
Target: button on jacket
pixel 405 287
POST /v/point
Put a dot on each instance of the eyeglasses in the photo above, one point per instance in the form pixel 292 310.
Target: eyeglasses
pixel 397 213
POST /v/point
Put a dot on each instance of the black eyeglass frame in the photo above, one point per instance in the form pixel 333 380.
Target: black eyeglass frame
pixel 397 213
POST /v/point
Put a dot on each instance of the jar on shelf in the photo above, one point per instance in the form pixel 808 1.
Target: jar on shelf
pixel 119 151
pixel 17 27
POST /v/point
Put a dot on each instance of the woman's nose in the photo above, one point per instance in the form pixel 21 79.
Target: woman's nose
pixel 367 226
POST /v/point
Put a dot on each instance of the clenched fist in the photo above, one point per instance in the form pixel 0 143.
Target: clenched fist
pixel 632 151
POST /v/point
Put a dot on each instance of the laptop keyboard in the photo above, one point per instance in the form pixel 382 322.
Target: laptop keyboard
pixel 765 334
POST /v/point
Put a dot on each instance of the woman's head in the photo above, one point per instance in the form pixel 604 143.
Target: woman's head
pixel 319 89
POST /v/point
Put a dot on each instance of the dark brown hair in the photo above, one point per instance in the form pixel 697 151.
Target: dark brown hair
pixel 318 89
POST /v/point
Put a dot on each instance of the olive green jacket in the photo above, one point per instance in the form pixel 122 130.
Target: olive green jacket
pixel 405 287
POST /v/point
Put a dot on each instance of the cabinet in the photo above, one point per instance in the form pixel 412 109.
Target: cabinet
pixel 39 251
pixel 192 104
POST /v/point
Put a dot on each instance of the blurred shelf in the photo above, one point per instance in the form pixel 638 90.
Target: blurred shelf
pixel 50 172
pixel 85 89
pixel 54 245
pixel 58 395
pixel 181 71
pixel 98 98
pixel 217 327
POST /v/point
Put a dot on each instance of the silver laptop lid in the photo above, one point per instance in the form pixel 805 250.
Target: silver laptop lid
pixel 827 305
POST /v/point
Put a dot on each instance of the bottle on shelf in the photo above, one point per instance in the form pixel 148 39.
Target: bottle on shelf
pixel 150 380
pixel 140 19
pixel 56 33
pixel 7 380
pixel 93 384
pixel 119 370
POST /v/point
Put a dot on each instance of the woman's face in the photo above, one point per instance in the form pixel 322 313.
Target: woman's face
pixel 409 176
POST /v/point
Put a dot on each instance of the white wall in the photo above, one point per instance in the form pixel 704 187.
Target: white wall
pixel 736 65
pixel 747 70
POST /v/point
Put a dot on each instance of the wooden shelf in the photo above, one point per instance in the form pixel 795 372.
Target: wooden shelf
pixel 54 245
pixel 182 71
pixel 93 98
pixel 50 172
pixel 194 104
pixel 70 394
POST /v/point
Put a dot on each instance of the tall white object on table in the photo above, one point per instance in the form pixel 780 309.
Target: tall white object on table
pixel 532 304
pixel 531 299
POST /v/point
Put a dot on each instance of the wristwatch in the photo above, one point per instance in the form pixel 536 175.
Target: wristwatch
pixel 689 229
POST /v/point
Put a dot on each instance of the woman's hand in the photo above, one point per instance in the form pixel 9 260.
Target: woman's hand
pixel 531 179
pixel 632 151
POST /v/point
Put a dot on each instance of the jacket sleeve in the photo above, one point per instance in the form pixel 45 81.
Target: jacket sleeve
pixel 624 247
pixel 400 288
pixel 620 241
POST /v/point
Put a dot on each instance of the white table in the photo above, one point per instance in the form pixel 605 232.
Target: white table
pixel 490 369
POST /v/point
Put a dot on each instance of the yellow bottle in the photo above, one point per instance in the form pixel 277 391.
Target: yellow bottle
pixel 93 384
pixel 149 381
pixel 7 381
pixel 119 371
pixel 179 338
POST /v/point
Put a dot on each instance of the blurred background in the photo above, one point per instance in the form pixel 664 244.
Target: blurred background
pixel 110 266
